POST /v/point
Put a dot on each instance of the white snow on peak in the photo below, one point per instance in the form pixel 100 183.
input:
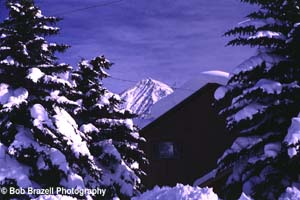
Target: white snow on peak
pixel 144 94
pixel 218 73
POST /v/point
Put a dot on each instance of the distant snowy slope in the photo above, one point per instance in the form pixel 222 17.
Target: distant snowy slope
pixel 180 94
pixel 143 95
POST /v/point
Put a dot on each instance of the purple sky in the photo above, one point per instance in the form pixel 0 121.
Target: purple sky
pixel 169 40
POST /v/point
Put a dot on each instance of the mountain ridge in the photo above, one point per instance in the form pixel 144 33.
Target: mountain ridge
pixel 142 96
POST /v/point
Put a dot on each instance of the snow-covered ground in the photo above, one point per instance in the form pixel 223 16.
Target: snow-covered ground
pixel 186 192
pixel 179 192
pixel 291 193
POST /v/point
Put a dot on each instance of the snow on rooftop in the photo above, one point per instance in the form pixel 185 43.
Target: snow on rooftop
pixel 217 73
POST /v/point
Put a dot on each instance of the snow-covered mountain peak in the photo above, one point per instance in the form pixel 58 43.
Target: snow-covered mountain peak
pixel 144 94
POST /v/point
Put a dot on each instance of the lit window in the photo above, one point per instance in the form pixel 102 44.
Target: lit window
pixel 167 150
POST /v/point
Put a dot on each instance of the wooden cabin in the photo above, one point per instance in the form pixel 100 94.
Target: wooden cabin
pixel 185 142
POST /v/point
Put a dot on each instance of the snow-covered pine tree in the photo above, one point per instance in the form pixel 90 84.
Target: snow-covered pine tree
pixel 260 102
pixel 114 140
pixel 40 144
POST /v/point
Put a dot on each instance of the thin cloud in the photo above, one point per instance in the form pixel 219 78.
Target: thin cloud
pixel 170 40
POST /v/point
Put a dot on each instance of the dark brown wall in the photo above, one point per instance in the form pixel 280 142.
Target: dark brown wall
pixel 201 136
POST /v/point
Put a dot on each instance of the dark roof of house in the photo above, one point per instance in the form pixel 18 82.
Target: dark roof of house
pixel 182 103
pixel 180 95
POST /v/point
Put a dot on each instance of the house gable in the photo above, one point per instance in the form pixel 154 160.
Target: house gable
pixel 194 133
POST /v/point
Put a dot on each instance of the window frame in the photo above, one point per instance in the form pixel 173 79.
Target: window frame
pixel 157 150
